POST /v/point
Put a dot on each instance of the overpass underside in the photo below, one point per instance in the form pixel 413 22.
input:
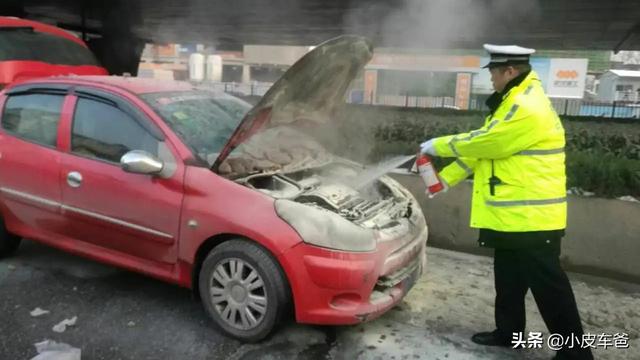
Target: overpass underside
pixel 118 29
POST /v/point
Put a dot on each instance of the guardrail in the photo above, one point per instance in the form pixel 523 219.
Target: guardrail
pixel 615 109
pixel 570 107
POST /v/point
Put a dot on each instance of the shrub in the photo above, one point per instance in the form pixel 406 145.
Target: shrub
pixel 603 174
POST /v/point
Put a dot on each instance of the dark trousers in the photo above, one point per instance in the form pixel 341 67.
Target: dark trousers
pixel 538 269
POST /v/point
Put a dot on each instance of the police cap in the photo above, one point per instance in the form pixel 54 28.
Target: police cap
pixel 502 55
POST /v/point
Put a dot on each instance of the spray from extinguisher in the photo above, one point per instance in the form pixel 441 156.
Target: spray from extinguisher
pixel 429 174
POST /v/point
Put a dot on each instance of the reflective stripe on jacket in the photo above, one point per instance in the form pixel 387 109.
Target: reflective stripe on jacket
pixel 521 146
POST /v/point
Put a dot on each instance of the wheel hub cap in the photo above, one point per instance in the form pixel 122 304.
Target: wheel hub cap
pixel 238 294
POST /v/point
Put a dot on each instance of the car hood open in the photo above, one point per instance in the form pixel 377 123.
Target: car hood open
pixel 309 92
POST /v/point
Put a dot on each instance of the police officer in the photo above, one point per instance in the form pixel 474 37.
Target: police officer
pixel 519 199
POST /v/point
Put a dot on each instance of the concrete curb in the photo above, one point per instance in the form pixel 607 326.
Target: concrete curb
pixel 603 235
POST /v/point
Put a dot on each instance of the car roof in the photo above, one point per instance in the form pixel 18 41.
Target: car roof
pixel 132 84
pixel 8 21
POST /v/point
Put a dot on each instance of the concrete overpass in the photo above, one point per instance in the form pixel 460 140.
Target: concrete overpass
pixel 117 29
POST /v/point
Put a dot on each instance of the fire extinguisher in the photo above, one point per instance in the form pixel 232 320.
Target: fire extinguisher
pixel 429 174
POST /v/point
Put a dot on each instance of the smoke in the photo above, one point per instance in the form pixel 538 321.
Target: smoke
pixel 440 24
pixel 427 25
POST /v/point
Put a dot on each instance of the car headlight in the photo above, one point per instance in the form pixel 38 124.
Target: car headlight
pixel 324 228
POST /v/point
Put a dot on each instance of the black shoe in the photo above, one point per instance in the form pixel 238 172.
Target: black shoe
pixel 490 339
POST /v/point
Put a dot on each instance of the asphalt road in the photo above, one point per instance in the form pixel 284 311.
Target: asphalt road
pixel 123 315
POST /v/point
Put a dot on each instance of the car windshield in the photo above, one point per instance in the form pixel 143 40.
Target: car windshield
pixel 203 120
pixel 29 45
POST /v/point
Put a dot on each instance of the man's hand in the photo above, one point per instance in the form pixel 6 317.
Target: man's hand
pixel 427 147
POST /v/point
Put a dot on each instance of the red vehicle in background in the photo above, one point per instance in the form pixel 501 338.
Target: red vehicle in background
pixel 30 49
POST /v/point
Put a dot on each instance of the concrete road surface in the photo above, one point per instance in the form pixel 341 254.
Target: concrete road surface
pixel 122 315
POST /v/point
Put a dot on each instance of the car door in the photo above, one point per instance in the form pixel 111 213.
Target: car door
pixel 129 214
pixel 30 160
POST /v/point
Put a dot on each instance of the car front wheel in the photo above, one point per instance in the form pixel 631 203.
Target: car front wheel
pixel 243 289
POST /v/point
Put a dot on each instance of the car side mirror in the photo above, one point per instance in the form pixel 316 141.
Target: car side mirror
pixel 141 162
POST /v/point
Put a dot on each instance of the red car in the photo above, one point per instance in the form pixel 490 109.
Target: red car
pixel 243 205
pixel 30 49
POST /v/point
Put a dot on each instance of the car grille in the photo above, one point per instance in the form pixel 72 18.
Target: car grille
pixel 398 276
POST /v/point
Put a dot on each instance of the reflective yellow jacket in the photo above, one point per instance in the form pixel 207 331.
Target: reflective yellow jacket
pixel 522 145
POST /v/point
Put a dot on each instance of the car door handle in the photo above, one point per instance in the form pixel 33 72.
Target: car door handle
pixel 74 179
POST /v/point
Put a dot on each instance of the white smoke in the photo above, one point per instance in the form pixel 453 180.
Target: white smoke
pixel 440 24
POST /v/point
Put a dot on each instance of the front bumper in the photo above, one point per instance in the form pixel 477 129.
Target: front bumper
pixel 337 287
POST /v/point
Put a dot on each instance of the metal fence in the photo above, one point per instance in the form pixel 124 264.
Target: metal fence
pixel 615 109
pixel 417 101
pixel 564 107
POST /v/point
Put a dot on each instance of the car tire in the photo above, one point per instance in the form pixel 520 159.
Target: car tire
pixel 244 290
pixel 9 242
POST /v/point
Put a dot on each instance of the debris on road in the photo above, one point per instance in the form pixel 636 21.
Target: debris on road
pixel 62 326
pixel 11 267
pixel 580 192
pixel 131 324
pixel 51 350
pixel 38 312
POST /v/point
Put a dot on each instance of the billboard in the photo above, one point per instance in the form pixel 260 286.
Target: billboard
pixel 463 90
pixel 567 78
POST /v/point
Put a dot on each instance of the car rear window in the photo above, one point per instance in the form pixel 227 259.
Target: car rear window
pixel 29 45
pixel 33 117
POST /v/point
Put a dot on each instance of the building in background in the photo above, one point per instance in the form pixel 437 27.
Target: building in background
pixel 250 71
pixel 578 82
pixel 264 63
pixel 619 85
pixel 418 80
pixel 392 77
pixel 169 62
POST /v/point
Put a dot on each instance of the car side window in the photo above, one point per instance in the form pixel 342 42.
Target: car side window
pixel 102 131
pixel 33 117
